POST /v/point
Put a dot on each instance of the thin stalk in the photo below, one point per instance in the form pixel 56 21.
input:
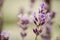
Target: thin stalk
pixel 36 37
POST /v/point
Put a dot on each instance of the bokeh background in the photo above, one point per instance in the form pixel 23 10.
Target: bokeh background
pixel 10 11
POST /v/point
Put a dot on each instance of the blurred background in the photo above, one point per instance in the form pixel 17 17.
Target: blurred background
pixel 10 10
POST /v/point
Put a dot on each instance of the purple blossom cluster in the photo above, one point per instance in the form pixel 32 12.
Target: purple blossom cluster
pixel 1 3
pixel 36 31
pixel 5 35
pixel 32 1
pixel 23 23
pixel 44 17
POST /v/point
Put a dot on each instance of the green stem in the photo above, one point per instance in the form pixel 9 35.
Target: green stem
pixel 36 37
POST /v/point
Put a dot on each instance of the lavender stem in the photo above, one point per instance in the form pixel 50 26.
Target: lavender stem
pixel 36 37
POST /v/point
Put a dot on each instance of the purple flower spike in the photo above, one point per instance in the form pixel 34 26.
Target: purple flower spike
pixel 37 32
pixel 40 30
pixel 50 22
pixel 36 19
pixel 34 30
pixel 42 16
pixel 39 11
pixel 6 38
pixel 41 23
pixel 52 15
pixel 42 5
pixel 35 22
pixel 45 37
pixel 48 30
pixel 32 1
pixel 25 22
pixel 23 34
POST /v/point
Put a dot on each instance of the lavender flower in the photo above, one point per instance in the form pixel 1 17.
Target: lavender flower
pixel 40 30
pixel 23 34
pixel 48 30
pixel 44 6
pixel 41 19
pixel 42 22
pixel 50 22
pixel 35 20
pixel 42 16
pixel 36 31
pixel 4 36
pixel 25 22
pixel 52 15
pixel 32 1
pixel 45 37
